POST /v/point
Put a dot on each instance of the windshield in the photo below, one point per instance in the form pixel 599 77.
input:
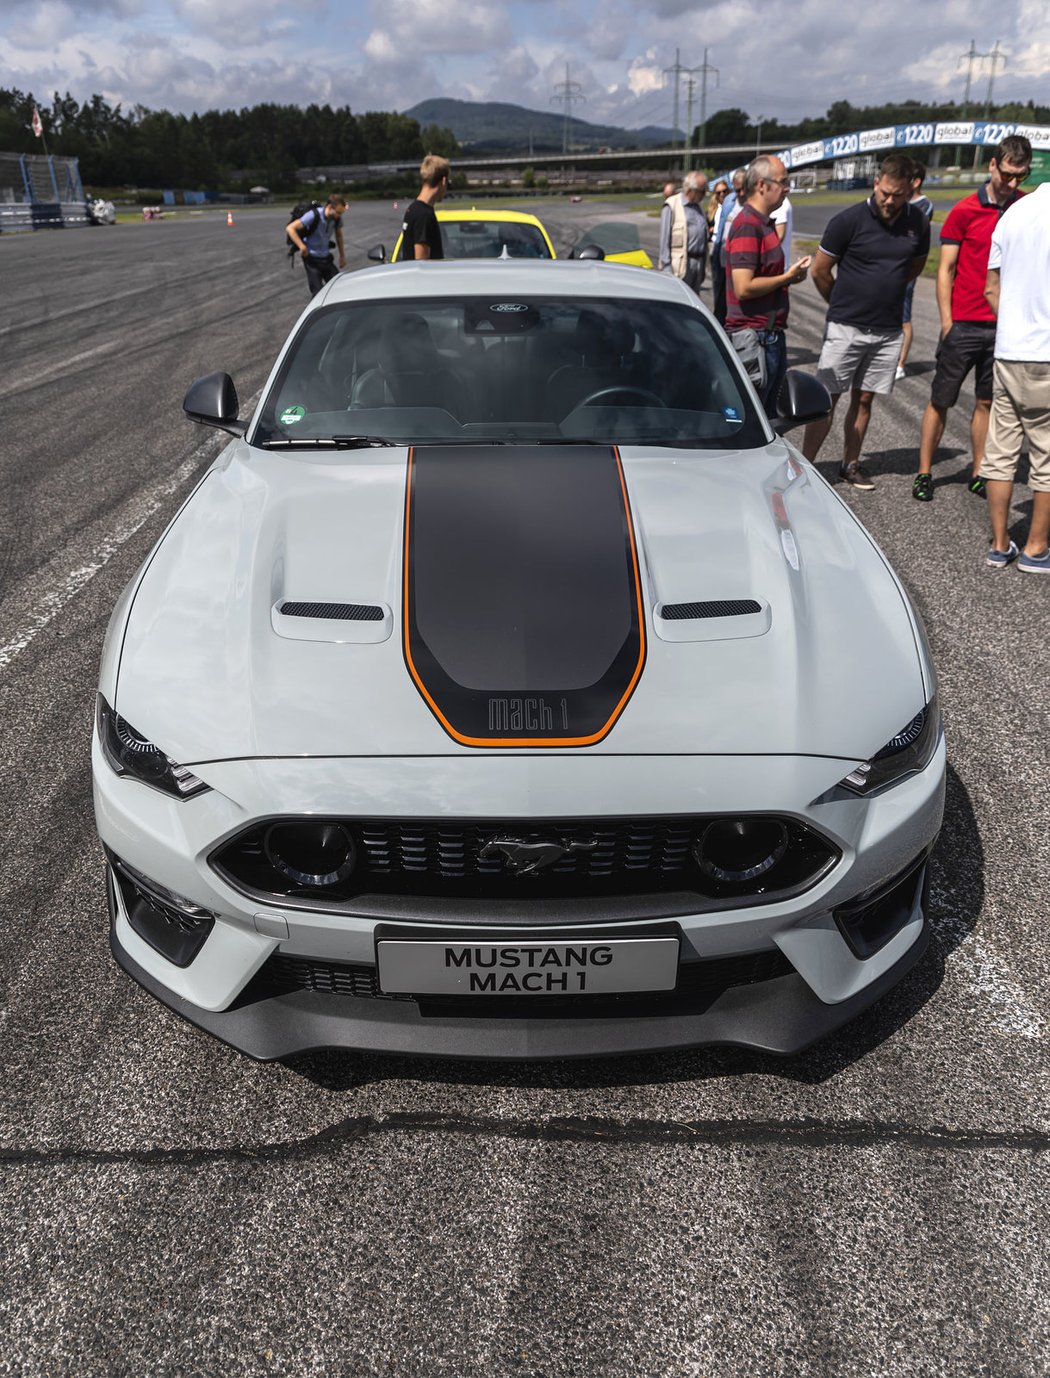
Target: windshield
pixel 491 239
pixel 493 369
pixel 614 237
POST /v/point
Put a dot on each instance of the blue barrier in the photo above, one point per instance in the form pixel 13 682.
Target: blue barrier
pixel 923 135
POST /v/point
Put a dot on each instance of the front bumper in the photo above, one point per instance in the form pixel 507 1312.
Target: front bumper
pixel 824 984
pixel 780 1016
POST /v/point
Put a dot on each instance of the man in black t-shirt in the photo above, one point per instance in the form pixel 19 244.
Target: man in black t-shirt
pixel 420 232
pixel 867 256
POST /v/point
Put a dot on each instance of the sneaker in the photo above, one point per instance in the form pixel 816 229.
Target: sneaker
pixel 1034 564
pixel 999 559
pixel 977 487
pixel 855 476
pixel 922 487
pixel 899 374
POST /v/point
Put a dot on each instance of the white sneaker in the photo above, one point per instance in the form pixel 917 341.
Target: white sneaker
pixel 899 374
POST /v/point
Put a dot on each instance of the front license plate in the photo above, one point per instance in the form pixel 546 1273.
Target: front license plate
pixel 588 967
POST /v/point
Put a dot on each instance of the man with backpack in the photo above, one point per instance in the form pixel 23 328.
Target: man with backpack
pixel 309 232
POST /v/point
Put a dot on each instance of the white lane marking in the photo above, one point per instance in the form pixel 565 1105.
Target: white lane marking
pixel 986 973
pixel 136 513
pixel 45 375
pixel 55 599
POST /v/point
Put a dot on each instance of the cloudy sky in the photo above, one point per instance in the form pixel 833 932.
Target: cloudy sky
pixel 775 58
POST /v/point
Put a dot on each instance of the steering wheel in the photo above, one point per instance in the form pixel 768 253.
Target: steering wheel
pixel 600 397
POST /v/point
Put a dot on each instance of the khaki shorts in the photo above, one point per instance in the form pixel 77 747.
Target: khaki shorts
pixel 1020 413
pixel 856 359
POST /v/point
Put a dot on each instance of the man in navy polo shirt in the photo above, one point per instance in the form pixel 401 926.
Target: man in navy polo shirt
pixel 967 321
pixel 875 249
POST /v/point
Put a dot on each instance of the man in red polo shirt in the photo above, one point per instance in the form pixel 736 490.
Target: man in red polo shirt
pixel 967 321
pixel 756 281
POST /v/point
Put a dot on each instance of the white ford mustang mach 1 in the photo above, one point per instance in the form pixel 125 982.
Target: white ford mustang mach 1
pixel 508 687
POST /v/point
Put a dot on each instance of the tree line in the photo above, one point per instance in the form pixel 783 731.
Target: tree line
pixel 235 149
pixel 230 149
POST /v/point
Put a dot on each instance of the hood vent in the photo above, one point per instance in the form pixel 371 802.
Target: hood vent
pixel 342 623
pixel 340 612
pixel 717 619
pixel 736 607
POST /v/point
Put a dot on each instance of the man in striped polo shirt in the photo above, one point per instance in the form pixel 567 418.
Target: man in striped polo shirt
pixel 756 280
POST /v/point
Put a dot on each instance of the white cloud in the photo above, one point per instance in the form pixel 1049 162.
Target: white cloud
pixel 420 28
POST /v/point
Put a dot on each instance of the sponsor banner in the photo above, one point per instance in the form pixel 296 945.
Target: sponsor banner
pixel 809 153
pixel 915 135
pixel 954 133
pixel 992 132
pixel 878 138
pixel 1037 135
pixel 785 157
pixel 841 145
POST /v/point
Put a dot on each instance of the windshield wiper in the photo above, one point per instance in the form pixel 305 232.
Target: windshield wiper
pixel 328 442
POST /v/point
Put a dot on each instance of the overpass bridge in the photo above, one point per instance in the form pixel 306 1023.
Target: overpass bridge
pixel 906 137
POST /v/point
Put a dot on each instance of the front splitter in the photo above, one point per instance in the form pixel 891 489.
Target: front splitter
pixel 781 1016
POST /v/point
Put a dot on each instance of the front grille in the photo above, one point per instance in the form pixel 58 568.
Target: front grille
pixel 656 847
pixel 573 859
pixel 699 983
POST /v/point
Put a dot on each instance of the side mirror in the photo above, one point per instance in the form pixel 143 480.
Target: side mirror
pixel 377 253
pixel 802 398
pixel 212 401
pixel 591 251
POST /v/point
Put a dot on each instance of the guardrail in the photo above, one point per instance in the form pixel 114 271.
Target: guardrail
pixel 21 216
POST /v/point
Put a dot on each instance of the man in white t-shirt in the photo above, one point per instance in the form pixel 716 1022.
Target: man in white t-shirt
pixel 1018 291
pixel 783 219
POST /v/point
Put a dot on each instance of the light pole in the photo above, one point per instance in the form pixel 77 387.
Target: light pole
pixel 758 134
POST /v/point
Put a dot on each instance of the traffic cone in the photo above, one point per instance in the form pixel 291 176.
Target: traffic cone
pixel 229 217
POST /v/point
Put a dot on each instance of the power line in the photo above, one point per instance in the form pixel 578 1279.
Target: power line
pixel 569 93
pixel 968 58
pixel 994 58
pixel 704 69
pixel 677 70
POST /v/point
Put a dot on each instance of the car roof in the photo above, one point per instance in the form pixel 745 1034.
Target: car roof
pixel 572 278
pixel 504 217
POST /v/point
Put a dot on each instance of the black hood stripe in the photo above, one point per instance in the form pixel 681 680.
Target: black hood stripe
pixel 523 616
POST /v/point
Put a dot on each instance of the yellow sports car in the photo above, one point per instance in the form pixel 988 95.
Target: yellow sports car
pixel 490 234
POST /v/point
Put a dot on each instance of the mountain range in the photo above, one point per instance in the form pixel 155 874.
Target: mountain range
pixel 494 126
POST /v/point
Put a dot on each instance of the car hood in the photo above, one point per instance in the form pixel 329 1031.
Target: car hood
pixel 765 620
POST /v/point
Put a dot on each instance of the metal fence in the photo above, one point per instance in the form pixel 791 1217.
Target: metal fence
pixel 40 193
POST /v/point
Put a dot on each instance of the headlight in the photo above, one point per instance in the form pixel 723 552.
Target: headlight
pixel 129 753
pixel 910 750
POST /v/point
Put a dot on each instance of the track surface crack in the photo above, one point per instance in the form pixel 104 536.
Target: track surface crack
pixel 802 1133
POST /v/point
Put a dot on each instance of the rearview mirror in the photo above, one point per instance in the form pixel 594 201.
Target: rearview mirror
pixel 802 398
pixel 591 251
pixel 377 253
pixel 212 401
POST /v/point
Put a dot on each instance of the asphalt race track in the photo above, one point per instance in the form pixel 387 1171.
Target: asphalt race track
pixel 875 1207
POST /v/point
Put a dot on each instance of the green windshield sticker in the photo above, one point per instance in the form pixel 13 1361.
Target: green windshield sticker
pixel 291 415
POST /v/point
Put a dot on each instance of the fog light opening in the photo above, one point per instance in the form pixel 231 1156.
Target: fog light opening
pixel 316 855
pixel 734 851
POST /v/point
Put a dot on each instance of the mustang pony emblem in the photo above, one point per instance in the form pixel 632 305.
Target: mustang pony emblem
pixel 525 856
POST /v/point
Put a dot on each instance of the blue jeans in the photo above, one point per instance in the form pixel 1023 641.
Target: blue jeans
pixel 775 343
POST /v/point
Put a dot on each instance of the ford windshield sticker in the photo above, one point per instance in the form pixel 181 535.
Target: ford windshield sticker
pixel 291 415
